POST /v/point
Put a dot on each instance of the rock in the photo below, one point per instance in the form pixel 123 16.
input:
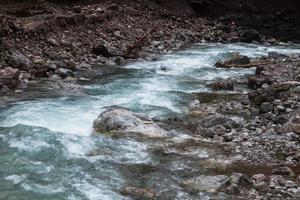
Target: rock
pixel 64 73
pixel 214 120
pixel 270 94
pixel 19 60
pixel 276 180
pixel 285 171
pixel 9 78
pixel 124 122
pixel 209 184
pixel 138 193
pixel 259 178
pixel 228 137
pixel 101 50
pixel 255 82
pixel 236 60
pixel 276 55
pixel 296 125
pixel 265 107
pixel 250 35
pixel 211 132
pixel 222 85
pixel 240 179
pixel 53 42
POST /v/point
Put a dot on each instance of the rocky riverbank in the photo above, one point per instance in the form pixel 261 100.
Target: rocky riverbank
pixel 55 46
pixel 252 137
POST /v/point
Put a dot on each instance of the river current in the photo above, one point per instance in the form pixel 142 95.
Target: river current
pixel 48 149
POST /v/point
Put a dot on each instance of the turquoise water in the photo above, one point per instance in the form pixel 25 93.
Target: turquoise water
pixel 47 148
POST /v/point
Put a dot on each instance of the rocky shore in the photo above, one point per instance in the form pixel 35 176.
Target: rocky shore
pixel 59 44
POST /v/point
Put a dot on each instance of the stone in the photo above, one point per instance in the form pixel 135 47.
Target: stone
pixel 259 178
pixel 250 35
pixel 138 193
pixel 255 82
pixel 216 119
pixel 222 85
pixel 64 73
pixel 53 42
pixel 209 184
pixel 270 94
pixel 121 122
pixel 211 132
pixel 236 60
pixel 19 60
pixel 240 179
pixel 265 107
pixel 285 171
pixel 276 180
pixel 101 50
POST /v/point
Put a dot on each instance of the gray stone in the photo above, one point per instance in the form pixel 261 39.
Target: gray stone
pixel 124 122
pixel 265 107
pixel 207 183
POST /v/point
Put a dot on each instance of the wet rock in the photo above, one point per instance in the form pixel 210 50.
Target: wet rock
pixel 19 60
pixel 101 50
pixel 265 107
pixel 207 183
pixel 222 85
pixel 138 193
pixel 285 171
pixel 250 36
pixel 236 60
pixel 121 121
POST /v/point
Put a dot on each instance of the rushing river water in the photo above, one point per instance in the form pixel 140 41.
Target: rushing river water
pixel 48 150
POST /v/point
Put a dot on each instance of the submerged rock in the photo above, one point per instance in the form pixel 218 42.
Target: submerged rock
pixel 121 121
pixel 207 183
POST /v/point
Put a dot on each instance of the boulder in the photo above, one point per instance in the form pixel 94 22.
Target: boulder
pixel 139 193
pixel 9 77
pixel 207 183
pixel 222 85
pixel 19 60
pixel 236 60
pixel 250 36
pixel 255 82
pixel 270 94
pixel 265 107
pixel 101 50
pixel 123 122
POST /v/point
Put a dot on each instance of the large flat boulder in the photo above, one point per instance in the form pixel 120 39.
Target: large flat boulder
pixel 123 122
